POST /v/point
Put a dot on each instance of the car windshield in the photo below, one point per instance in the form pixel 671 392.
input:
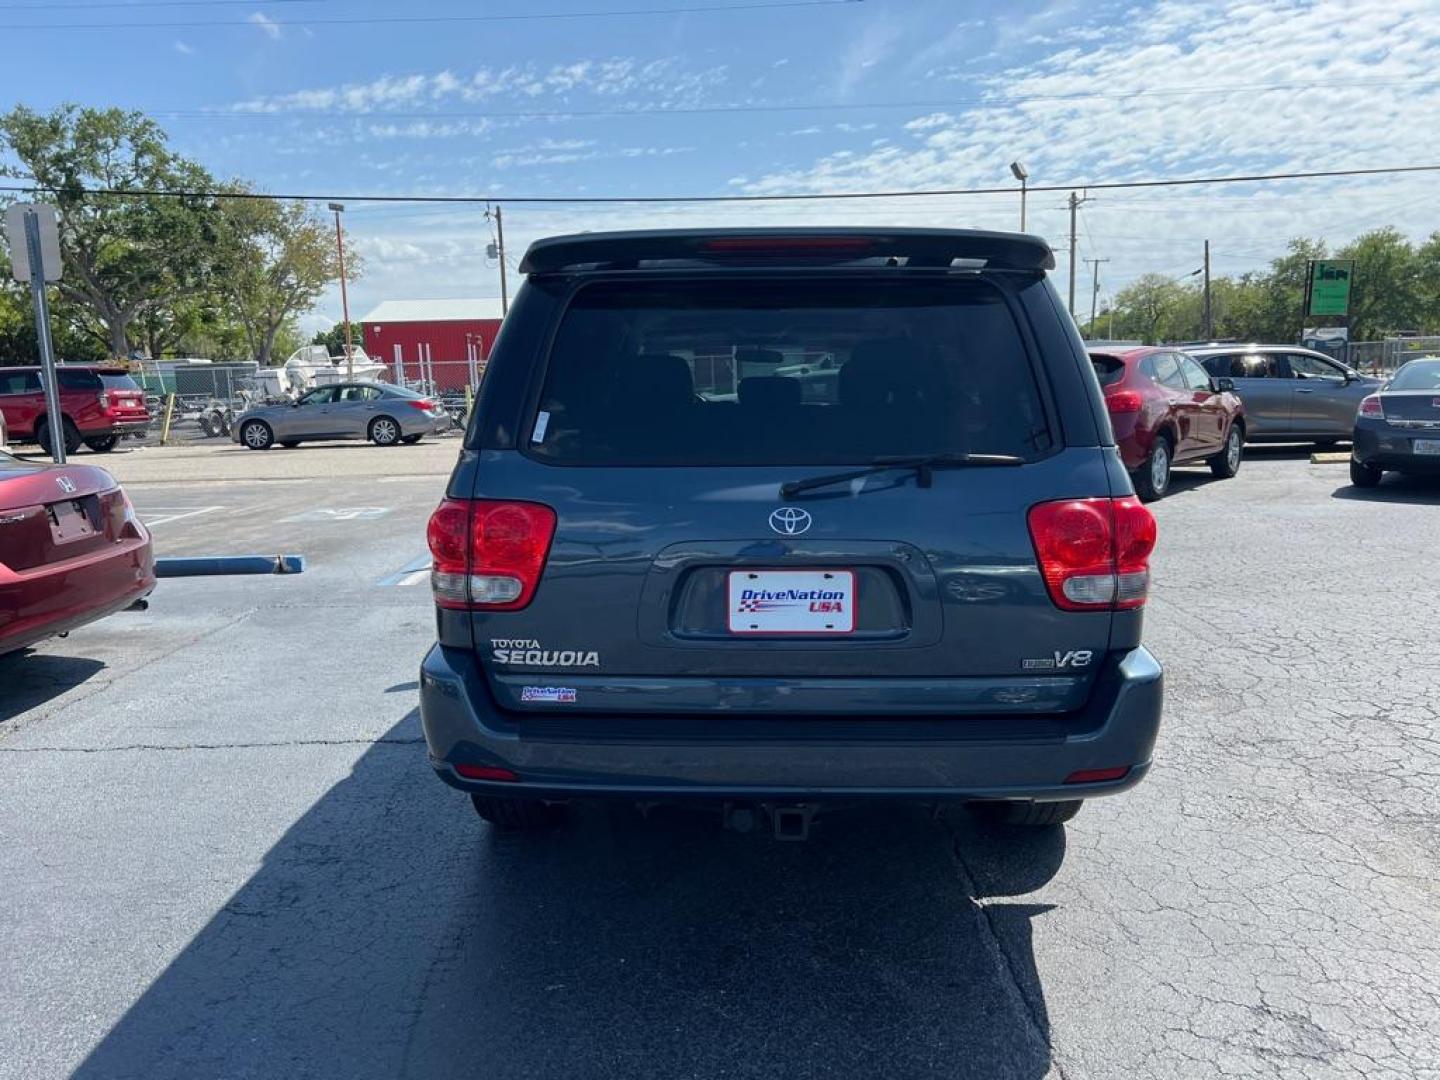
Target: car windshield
pixel 786 372
pixel 1417 375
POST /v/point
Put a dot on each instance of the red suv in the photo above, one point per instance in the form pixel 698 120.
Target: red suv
pixel 1166 410
pixel 100 404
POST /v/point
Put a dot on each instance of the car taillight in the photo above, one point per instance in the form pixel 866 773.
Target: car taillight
pixel 1094 553
pixel 1124 401
pixel 104 399
pixel 424 404
pixel 486 554
pixel 1372 407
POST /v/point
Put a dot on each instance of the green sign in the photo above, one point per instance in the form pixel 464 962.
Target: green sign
pixel 1328 290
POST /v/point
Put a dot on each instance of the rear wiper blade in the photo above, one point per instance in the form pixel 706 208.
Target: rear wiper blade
pixel 923 464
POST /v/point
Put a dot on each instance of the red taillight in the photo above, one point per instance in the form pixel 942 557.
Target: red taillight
pixel 1124 401
pixel 1095 776
pixel 487 554
pixel 1094 553
pixel 1372 407
pixel 104 399
pixel 486 772
pixel 424 404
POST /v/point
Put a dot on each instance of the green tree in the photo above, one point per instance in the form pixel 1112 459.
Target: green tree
pixel 334 338
pixel 1385 291
pixel 123 253
pixel 276 258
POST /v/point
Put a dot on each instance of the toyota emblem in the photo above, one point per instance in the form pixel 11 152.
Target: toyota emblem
pixel 790 521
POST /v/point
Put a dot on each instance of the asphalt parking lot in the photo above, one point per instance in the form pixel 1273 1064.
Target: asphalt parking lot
pixel 222 853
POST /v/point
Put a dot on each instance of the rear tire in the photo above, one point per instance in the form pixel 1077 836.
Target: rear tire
pixel 104 444
pixel 1227 463
pixel 256 435
pixel 1029 813
pixel 1365 476
pixel 1152 479
pixel 73 440
pixel 516 815
pixel 384 431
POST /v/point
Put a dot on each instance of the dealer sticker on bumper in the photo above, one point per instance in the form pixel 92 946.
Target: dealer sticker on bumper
pixel 791 602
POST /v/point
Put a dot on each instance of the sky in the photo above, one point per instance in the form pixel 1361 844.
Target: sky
pixel 566 98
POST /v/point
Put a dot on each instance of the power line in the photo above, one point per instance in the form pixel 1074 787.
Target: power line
pixel 581 200
pixel 369 20
pixel 274 112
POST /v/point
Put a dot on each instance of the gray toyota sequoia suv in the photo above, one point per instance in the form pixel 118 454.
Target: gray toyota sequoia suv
pixel 777 519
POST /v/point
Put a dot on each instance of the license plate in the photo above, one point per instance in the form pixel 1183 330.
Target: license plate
pixel 1426 446
pixel 791 602
pixel 68 521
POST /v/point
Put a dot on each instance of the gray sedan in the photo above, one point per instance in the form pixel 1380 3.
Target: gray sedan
pixel 384 414
pixel 1290 394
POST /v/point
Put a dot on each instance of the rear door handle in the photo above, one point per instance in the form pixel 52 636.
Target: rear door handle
pixel 1303 390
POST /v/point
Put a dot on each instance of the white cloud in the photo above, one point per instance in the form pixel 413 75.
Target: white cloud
pixel 268 25
pixel 182 48
pixel 646 82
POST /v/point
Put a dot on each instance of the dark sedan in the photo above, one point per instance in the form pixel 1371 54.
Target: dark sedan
pixel 71 550
pixel 1398 428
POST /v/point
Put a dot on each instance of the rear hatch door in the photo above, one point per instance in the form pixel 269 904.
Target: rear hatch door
pixel 684 577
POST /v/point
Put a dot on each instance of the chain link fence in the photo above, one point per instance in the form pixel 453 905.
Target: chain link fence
pixel 1383 357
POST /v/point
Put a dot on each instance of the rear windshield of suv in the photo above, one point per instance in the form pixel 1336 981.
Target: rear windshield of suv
pixel 85 379
pixel 798 371
pixel 117 380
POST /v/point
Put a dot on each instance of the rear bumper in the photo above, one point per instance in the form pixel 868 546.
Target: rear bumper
pixel 725 756
pixel 1386 448
pixel 57 598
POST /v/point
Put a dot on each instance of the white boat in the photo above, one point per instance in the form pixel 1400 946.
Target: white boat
pixel 312 365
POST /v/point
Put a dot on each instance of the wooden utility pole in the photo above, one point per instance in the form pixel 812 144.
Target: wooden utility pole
pixel 1075 201
pixel 500 243
pixel 1207 327
pixel 1094 288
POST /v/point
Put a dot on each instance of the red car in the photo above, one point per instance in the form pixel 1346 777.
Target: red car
pixel 100 404
pixel 1167 410
pixel 71 550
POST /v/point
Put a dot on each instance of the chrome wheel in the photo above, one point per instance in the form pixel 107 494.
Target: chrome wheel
pixel 257 436
pixel 385 431
pixel 1160 467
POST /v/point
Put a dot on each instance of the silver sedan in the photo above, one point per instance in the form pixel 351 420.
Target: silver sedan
pixel 384 414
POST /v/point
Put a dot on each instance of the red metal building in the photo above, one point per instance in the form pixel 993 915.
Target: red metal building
pixel 439 336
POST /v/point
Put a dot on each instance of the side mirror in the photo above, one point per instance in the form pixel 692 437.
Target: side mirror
pixel 1223 385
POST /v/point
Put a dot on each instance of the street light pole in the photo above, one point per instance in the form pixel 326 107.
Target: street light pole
pixel 1018 170
pixel 344 297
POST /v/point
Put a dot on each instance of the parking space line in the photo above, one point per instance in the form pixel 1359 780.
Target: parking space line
pixel 174 513
pixel 412 573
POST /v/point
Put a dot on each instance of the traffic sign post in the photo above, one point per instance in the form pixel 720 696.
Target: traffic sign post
pixel 35 257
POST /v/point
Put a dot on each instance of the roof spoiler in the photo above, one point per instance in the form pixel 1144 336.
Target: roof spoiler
pixel 919 247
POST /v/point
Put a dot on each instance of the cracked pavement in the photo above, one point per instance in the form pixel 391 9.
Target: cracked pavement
pixel 222 854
